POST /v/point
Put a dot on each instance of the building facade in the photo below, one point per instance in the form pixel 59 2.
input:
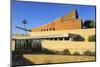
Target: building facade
pixel 63 33
pixel 68 21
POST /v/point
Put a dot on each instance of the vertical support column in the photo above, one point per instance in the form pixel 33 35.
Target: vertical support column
pixel 15 44
pixel 27 43
pixel 21 45
pixel 18 44
pixel 71 39
pixel 63 39
pixel 40 45
pixel 24 44
pixel 52 38
pixel 31 42
pixel 57 39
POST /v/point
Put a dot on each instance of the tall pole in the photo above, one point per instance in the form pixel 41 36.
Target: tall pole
pixel 25 30
pixel 25 22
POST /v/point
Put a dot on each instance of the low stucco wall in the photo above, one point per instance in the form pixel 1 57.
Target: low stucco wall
pixel 72 46
pixel 83 32
pixel 13 45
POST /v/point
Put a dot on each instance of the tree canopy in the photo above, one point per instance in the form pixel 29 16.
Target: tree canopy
pixel 89 24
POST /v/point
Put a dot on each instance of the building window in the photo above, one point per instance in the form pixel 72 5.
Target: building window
pixel 53 28
pixel 44 29
pixel 66 38
pixel 75 37
pixel 55 38
pixel 51 38
pixel 60 38
pixel 46 39
pixel 50 29
pixel 47 29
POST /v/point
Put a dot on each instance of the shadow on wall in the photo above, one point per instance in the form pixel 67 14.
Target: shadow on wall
pixel 76 37
pixel 67 52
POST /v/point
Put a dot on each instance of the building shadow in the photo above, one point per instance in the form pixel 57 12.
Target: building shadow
pixel 19 60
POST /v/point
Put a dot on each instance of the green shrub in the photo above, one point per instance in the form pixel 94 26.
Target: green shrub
pixel 47 51
pixel 92 38
pixel 94 53
pixel 55 52
pixel 66 52
pixel 89 24
pixel 76 53
pixel 89 53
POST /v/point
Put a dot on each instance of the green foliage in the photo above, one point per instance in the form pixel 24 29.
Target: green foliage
pixel 92 38
pixel 89 53
pixel 66 52
pixel 47 51
pixel 89 24
pixel 29 43
pixel 92 24
pixel 94 53
pixel 76 53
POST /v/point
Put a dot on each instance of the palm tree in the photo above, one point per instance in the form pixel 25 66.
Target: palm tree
pixel 25 22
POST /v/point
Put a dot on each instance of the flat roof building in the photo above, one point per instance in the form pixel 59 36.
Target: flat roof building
pixel 65 33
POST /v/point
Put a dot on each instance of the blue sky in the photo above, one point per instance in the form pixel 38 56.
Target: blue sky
pixel 37 13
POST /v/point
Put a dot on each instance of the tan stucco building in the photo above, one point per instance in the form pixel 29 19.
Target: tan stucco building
pixel 63 33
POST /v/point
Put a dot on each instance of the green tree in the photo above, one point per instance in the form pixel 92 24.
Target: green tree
pixel 92 38
pixel 89 24
pixel 76 53
pixel 66 52
pixel 89 53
